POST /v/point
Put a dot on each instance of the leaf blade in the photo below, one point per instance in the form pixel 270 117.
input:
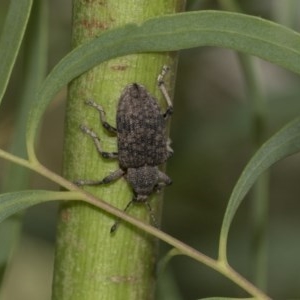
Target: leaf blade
pixel 11 38
pixel 13 202
pixel 282 144
pixel 173 32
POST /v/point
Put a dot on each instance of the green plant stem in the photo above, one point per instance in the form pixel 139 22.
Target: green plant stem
pixel 122 265
pixel 181 248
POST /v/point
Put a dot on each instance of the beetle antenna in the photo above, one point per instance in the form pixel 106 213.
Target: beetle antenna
pixel 151 213
pixel 118 221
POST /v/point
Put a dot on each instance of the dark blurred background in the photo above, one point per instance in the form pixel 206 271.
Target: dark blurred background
pixel 212 134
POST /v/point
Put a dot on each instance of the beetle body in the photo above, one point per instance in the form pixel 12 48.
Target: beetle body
pixel 141 129
pixel 142 141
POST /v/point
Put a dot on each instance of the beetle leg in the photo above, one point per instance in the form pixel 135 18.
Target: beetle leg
pixel 163 180
pixel 99 108
pixel 117 223
pixel 111 177
pixel 162 87
pixel 97 143
pixel 169 149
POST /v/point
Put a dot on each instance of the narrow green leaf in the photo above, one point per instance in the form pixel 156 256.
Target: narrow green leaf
pixel 8 231
pixel 33 72
pixel 284 143
pixel 11 203
pixel 247 34
pixel 165 260
pixel 11 38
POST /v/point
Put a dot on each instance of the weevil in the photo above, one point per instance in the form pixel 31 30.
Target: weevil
pixel 142 142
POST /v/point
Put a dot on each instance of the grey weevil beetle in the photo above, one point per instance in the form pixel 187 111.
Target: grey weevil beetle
pixel 142 142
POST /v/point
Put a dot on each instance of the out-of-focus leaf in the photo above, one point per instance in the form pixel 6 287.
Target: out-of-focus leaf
pixel 11 38
pixel 282 144
pixel 11 203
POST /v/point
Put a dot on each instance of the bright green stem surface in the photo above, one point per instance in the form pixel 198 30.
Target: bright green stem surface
pixel 90 262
